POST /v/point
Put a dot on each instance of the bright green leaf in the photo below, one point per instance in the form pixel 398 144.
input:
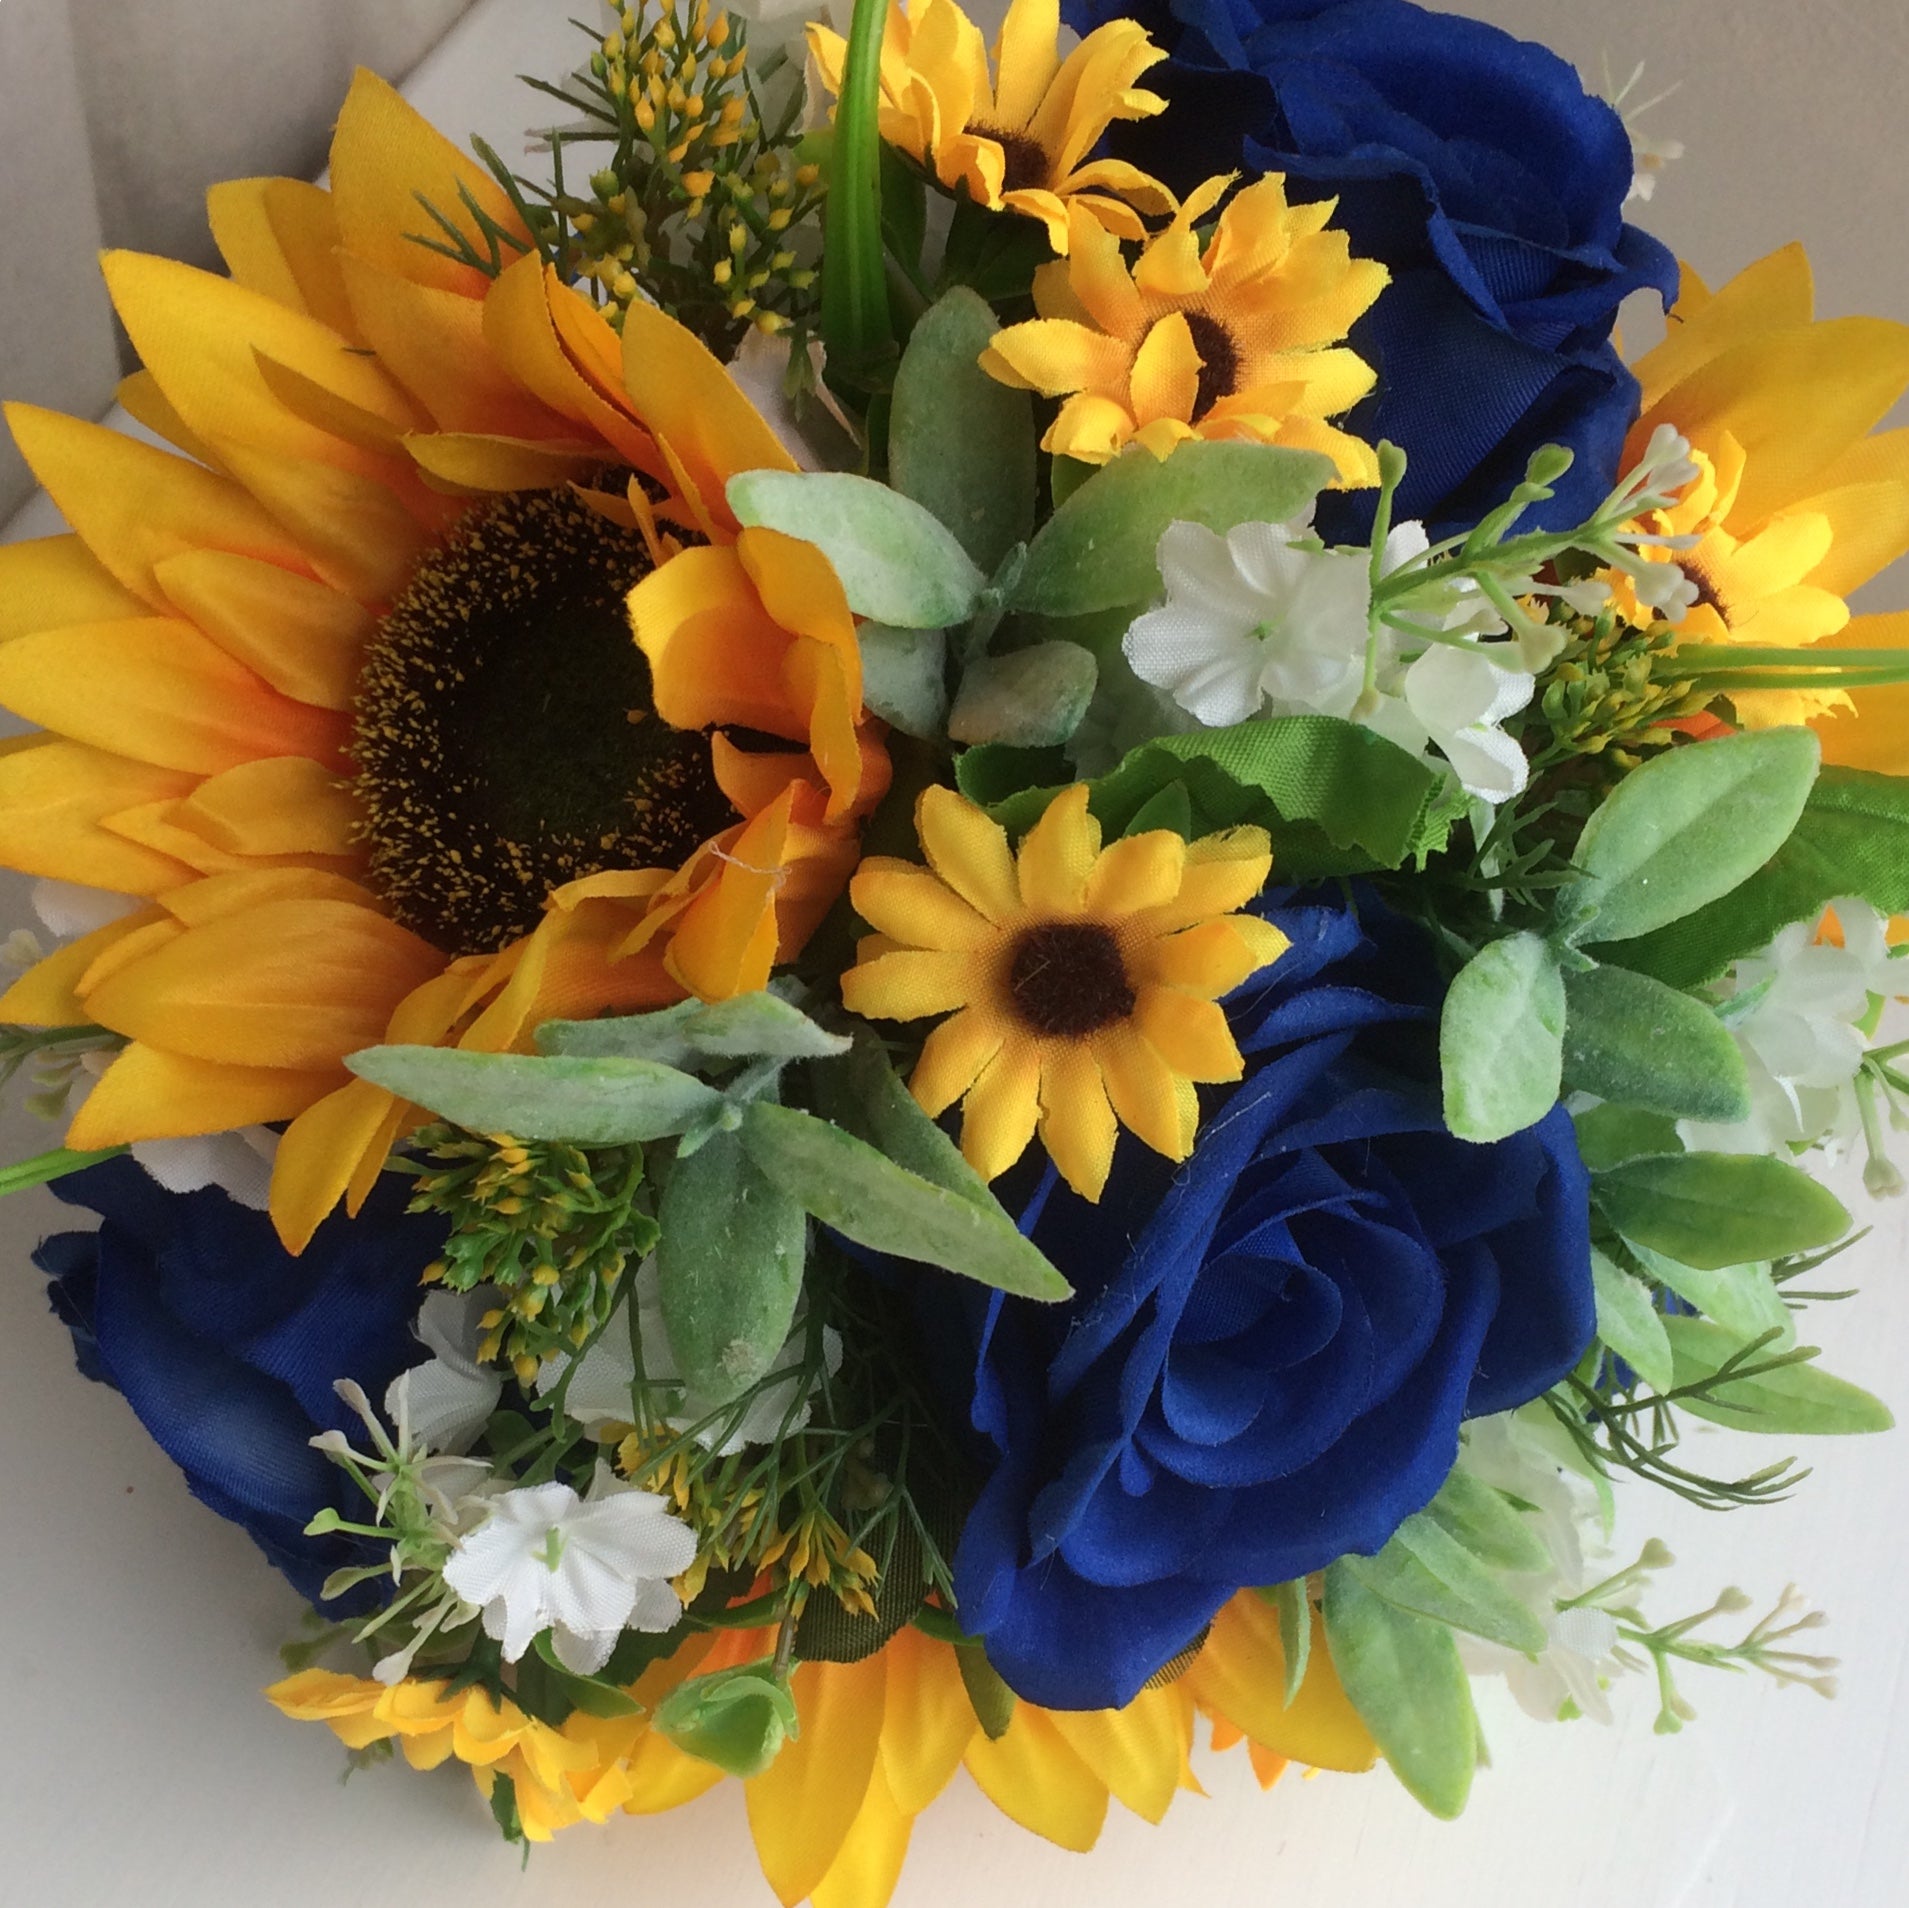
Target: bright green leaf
pixel 1294 1607
pixel 1632 1040
pixel 898 563
pixel 1425 1569
pixel 1744 1299
pixel 866 1197
pixel 905 678
pixel 737 1719
pixel 1403 1675
pixel 1609 1135
pixel 993 1702
pixel 1485 1521
pixel 605 1102
pixel 1688 827
pixel 588 1693
pixel 961 443
pixel 1710 1210
pixel 1028 699
pixel 1629 1322
pixel 1097 550
pixel 729 1267
pixel 1797 1400
pixel 1500 1039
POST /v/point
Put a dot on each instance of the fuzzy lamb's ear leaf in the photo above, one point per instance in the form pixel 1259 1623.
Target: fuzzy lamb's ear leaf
pixel 1688 827
pixel 1097 550
pixel 1635 1042
pixel 905 678
pixel 1501 1039
pixel 961 443
pixel 898 563
pixel 1027 699
pixel 1403 1675
pixel 608 1102
pixel 1711 1210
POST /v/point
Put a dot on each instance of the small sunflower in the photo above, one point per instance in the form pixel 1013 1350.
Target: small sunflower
pixel 343 702
pixel 1081 983
pixel 1233 339
pixel 1019 142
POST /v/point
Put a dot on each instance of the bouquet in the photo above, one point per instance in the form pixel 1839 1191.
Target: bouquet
pixel 966 909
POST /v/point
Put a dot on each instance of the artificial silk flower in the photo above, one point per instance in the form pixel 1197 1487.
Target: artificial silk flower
pixel 1236 337
pixel 1023 140
pixel 449 1398
pixel 1453 700
pixel 1081 983
pixel 584 1569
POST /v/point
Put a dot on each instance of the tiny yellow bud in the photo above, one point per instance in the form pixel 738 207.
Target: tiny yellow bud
pixel 624 286
pixel 807 175
pixel 769 323
pixel 718 34
pixel 742 307
pixel 680 151
pixel 665 35
pixel 613 46
pixel 678 99
pixel 697 184
pixel 433 1272
pixel 694 106
pixel 722 271
pixel 779 218
pixel 546 1275
pixel 781 261
pixel 738 239
pixel 645 116
pixel 526 1367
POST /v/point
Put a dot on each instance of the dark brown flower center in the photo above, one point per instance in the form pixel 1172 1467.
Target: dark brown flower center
pixel 505 735
pixel 1027 164
pixel 1219 361
pixel 1707 590
pixel 1068 979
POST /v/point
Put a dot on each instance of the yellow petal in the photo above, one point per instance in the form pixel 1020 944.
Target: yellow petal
pixel 1090 429
pixel 1077 1122
pixel 864 1873
pixel 475 462
pixel 802 1808
pixel 968 849
pixel 929 1720
pixel 1209 960
pixel 150 1093
pixel 1774 294
pixel 1137 873
pixel 280 805
pixel 1034 1778
pixel 1191 1036
pixel 909 984
pixel 56 796
pixel 146 404
pixel 49 993
pixel 1058 855
pixel 1869 525
pixel 1875 735
pixel 1026 59
pixel 1146 1096
pixel 1139 1752
pixel 1002 1107
pixel 280 237
pixel 917 908
pixel 49 582
pixel 1222 872
pixel 1057 355
pixel 1165 381
pixel 319 1155
pixel 303 638
pixel 952 1058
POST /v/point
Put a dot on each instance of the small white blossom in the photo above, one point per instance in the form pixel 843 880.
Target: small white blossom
pixel 1650 152
pixel 1454 700
pixel 583 1569
pixel 448 1399
pixel 238 1163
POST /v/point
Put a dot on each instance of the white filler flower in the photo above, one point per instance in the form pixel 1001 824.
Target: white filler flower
pixel 584 1569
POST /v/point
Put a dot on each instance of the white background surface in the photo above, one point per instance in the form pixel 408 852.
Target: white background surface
pixel 138 1767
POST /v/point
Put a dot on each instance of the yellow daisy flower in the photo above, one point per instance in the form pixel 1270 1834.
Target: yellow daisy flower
pixel 1081 983
pixel 344 700
pixel 880 1740
pixel 1236 338
pixel 1019 142
pixel 1797 504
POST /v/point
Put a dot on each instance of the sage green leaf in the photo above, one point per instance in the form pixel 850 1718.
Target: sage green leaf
pixel 866 1197
pixel 1403 1675
pixel 1711 1210
pixel 905 678
pixel 588 1693
pixel 1484 1520
pixel 1425 1569
pixel 737 1719
pixel 1634 1041
pixel 898 563
pixel 754 1026
pixel 1096 551
pixel 601 1102
pixel 1852 838
pixel 993 1701
pixel 1744 1299
pixel 1689 826
pixel 729 1267
pixel 1294 1608
pixel 1796 1400
pixel 1501 1039
pixel 1629 1322
pixel 1028 699
pixel 1609 1135
pixel 961 443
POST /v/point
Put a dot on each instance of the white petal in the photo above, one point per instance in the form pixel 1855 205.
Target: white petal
pixel 1265 561
pixel 586 1653
pixel 1210 669
pixel 1488 762
pixel 67 909
pixel 1403 542
pixel 230 1161
pixel 445 1405
pixel 656 1607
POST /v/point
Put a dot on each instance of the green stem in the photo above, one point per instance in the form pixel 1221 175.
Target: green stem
pixel 856 325
pixel 44 1167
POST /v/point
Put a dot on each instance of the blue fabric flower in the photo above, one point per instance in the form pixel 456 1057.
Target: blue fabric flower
pixel 226 1346
pixel 1479 170
pixel 1271 1349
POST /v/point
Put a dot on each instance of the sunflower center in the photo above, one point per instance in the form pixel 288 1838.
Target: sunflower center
pixel 1026 163
pixel 505 736
pixel 1707 591
pixel 1219 361
pixel 1067 979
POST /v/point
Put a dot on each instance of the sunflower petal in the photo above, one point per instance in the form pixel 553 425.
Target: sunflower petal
pixel 1140 1752
pixel 55 799
pixel 1145 1094
pixel 149 1093
pixel 49 582
pixel 1034 1778
pixel 319 1155
pixel 968 849
pixel 1209 960
pixel 917 908
pixel 909 983
pixel 1191 1036
pixel 1058 856
pixel 1002 1108
pixel 953 1057
pixel 1137 873
pixel 929 1720
pixel 1078 1127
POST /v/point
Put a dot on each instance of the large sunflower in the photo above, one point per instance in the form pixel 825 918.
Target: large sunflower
pixel 343 700
pixel 880 1740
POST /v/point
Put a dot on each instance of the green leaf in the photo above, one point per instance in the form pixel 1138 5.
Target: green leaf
pixel 1711 1210
pixel 1744 1299
pixel 591 1694
pixel 750 1026
pixel 1294 1608
pixel 905 678
pixel 1097 550
pixel 1500 1039
pixel 729 1266
pixel 1484 1520
pixel 1609 1135
pixel 961 443
pixel 606 1102
pixel 1171 809
pixel 737 1719
pixel 1852 838
pixel 1402 1674
pixel 866 1197
pixel 1797 1400
pixel 1629 1322
pixel 1688 827
pixel 1027 699
pixel 857 327
pixel 1425 1569
pixel 993 1701
pixel 898 564
pixel 1632 1040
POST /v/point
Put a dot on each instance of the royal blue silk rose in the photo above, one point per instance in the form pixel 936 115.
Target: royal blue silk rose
pixel 227 1347
pixel 1272 1348
pixel 1477 168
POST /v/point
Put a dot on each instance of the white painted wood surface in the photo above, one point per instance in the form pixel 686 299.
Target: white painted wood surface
pixel 139 1768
